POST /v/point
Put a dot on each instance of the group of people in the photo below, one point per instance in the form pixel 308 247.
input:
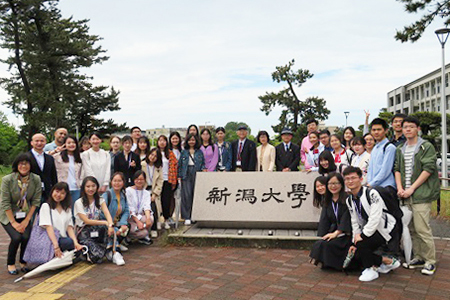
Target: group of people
pixel 376 200
pixel 86 196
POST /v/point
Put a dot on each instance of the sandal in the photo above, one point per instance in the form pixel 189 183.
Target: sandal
pixel 13 272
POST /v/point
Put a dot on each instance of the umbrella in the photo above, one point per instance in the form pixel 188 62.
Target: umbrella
pixel 56 263
pixel 406 235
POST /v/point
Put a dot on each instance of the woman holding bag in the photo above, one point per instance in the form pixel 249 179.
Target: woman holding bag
pixel 56 215
pixel 21 194
pixel 94 232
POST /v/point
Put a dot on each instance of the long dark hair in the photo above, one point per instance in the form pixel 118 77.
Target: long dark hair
pixel 318 198
pixel 326 155
pixel 186 140
pixel 196 128
pixel 174 133
pixel 147 149
pixel 210 142
pixel 352 130
pixel 342 193
pixel 84 197
pixel 76 152
pixel 66 203
pixel 83 140
pixel 317 136
pixel 158 162
pixel 166 149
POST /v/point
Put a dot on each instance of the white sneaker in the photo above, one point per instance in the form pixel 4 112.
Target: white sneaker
pixel 158 226
pixel 118 259
pixel 166 225
pixel 384 269
pixel 154 234
pixel 123 248
pixel 369 274
pixel 187 222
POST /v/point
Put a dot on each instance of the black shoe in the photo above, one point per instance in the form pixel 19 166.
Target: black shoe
pixel 24 270
pixel 415 263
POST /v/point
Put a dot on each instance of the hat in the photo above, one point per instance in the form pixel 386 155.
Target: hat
pixel 242 127
pixel 286 131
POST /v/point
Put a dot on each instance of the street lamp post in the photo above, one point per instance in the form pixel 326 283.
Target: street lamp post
pixel 346 117
pixel 442 35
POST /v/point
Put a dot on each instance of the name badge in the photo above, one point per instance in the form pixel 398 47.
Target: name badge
pixel 42 184
pixel 238 163
pixel 94 234
pixel 139 217
pixel 21 214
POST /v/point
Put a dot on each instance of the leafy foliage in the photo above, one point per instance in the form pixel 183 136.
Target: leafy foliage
pixel 10 142
pixel 430 9
pixel 47 56
pixel 294 111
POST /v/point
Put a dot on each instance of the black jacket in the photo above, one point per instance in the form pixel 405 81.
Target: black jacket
pixel 48 175
pixel 122 165
pixel 289 159
pixel 248 155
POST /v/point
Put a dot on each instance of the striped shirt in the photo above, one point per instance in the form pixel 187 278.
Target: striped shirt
pixel 409 156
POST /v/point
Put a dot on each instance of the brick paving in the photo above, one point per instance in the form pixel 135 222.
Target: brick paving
pixel 156 272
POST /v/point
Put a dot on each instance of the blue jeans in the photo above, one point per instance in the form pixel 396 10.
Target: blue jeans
pixel 66 243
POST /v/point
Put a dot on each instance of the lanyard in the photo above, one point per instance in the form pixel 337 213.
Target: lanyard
pixel 139 201
pixel 150 175
pixel 92 212
pixel 128 159
pixel 358 209
pixel 335 209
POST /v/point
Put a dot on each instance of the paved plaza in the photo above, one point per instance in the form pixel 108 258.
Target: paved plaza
pixel 166 272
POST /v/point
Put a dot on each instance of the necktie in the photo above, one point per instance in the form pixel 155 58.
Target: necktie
pixel 286 147
pixel 240 150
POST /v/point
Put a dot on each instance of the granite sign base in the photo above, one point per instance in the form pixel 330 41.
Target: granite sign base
pixel 255 200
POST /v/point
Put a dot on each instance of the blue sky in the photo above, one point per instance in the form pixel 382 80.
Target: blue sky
pixel 182 62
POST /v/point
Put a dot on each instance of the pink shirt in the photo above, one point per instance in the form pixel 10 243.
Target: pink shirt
pixel 306 144
pixel 211 154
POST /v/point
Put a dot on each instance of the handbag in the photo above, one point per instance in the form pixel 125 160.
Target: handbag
pixel 40 249
pixel 95 237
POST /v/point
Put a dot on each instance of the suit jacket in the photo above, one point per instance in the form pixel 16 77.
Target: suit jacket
pixel 11 194
pixel 48 175
pixel 248 155
pixel 289 159
pixel 122 165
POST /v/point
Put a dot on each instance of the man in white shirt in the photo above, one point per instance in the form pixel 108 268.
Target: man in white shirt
pixel 43 164
pixel 136 134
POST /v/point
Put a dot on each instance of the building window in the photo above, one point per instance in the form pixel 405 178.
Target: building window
pixel 398 99
pixel 446 80
pixel 391 101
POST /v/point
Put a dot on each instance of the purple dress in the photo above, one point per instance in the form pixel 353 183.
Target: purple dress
pixel 211 154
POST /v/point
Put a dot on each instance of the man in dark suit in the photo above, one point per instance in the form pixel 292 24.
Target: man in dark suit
pixel 43 165
pixel 287 154
pixel 244 152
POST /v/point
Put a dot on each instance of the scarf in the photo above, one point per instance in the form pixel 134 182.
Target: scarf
pixel 23 182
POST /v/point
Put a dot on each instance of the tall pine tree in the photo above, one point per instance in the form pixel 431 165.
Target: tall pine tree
pixel 48 53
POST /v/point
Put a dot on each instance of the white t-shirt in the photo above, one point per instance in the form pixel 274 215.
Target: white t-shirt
pixel 60 220
pixel 165 167
pixel 71 179
pixel 92 212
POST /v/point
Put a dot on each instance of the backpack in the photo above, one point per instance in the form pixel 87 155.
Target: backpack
pixel 390 200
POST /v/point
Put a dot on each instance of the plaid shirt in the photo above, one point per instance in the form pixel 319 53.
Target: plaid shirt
pixel 173 168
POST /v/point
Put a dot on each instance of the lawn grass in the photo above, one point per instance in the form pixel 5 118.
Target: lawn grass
pixel 445 205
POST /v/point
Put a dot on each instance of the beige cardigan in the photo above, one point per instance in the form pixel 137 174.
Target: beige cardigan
pixel 268 160
pixel 62 170
pixel 157 182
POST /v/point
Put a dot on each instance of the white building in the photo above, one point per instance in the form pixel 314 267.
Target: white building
pixel 422 94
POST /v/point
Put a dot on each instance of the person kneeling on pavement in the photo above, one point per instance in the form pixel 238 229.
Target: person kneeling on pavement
pixel 372 226
pixel 141 215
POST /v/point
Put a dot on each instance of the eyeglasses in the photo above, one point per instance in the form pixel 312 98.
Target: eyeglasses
pixel 24 163
pixel 334 183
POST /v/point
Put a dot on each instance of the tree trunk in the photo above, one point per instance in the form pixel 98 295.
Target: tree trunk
pixel 296 107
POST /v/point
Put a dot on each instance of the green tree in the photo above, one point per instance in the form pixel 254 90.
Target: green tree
pixel 232 127
pixel 430 9
pixel 48 54
pixel 10 142
pixel 294 110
